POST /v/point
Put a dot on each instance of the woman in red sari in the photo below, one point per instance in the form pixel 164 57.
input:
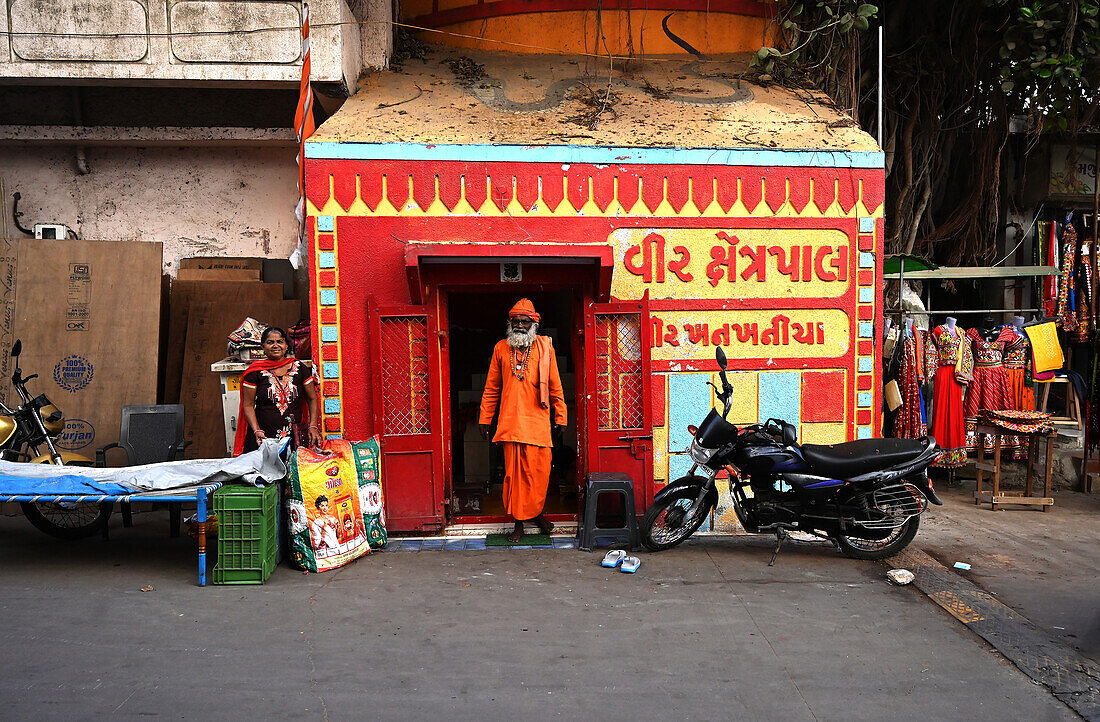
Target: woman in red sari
pixel 278 398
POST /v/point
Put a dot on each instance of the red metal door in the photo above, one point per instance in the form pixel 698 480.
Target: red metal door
pixel 618 397
pixel 407 415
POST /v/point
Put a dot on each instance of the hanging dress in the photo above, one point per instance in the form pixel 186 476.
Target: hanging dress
pixel 1067 299
pixel 1083 277
pixel 954 363
pixel 909 422
pixel 990 390
pixel 1017 358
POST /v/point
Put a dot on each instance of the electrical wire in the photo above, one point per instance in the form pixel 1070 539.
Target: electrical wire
pixel 1023 236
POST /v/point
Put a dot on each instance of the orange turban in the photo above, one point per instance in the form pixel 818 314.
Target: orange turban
pixel 524 307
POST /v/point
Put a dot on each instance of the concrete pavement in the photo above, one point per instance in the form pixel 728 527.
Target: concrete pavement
pixel 706 631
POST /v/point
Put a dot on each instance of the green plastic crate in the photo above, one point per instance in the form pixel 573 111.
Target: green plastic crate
pixel 248 533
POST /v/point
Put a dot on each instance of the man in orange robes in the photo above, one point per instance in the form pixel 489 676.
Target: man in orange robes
pixel 523 380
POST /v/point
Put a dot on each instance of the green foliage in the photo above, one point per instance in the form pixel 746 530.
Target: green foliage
pixel 805 23
pixel 1048 66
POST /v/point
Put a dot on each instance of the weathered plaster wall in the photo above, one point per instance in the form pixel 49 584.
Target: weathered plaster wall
pixel 190 40
pixel 196 201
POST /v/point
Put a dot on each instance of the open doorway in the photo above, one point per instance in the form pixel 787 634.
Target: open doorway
pixel 476 321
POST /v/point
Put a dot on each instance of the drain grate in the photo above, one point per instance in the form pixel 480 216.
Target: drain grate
pixel 1071 677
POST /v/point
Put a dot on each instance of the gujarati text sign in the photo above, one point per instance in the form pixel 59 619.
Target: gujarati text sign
pixel 730 263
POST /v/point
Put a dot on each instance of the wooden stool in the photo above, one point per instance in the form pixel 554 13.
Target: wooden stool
pixel 1012 497
pixel 1072 412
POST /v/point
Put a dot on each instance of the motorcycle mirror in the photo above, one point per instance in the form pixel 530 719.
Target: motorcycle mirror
pixel 17 347
pixel 720 355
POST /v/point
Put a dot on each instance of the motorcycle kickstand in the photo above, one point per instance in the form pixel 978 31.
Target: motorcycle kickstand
pixel 780 537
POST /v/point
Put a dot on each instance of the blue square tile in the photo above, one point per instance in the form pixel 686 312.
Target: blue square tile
pixel 565 543
pixel 475 543
pixel 866 225
pixel 454 544
pixel 432 544
pixel 324 224
pixel 410 545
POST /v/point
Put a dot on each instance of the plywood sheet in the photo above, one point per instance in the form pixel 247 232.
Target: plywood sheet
pixel 200 392
pixel 88 313
pixel 213 262
pixel 219 274
pixel 184 293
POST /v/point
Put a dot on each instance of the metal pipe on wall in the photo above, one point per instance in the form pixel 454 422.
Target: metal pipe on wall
pixel 881 37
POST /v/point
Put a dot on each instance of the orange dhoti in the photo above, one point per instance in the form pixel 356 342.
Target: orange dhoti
pixel 526 477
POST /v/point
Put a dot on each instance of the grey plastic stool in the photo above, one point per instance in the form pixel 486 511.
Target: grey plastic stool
pixel 607 483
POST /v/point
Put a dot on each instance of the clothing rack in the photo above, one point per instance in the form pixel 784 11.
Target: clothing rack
pixel 961 311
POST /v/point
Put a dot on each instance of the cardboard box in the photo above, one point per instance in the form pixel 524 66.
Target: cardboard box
pixel 88 313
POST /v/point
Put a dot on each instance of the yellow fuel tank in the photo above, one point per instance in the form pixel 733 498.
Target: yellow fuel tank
pixel 7 428
pixel 53 428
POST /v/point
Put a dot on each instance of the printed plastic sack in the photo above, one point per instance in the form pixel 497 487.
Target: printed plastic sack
pixel 244 342
pixel 368 464
pixel 323 514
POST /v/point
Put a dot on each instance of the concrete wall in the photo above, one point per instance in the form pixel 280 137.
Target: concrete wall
pixel 190 41
pixel 217 201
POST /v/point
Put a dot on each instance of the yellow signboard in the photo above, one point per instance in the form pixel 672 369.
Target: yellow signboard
pixel 731 263
pixel 790 333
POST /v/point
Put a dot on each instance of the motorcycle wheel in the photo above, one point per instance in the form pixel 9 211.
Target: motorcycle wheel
pixel 65 520
pixel 666 523
pixel 874 549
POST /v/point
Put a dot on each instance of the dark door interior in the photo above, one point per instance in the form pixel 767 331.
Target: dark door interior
pixel 476 321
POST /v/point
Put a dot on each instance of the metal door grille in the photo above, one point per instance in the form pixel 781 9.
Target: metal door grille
pixel 619 371
pixel 406 408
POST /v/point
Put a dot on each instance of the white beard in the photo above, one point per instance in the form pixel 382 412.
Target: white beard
pixel 519 339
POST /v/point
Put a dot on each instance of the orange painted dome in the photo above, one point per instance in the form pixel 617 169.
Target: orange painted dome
pixel 616 27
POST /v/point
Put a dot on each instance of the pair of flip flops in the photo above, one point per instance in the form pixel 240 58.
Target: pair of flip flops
pixel 619 558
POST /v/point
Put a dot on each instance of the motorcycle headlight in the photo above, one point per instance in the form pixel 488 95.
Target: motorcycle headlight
pixel 699 454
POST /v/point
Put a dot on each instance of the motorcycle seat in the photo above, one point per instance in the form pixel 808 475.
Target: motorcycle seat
pixel 860 457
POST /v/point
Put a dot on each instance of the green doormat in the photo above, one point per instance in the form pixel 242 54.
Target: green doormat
pixel 528 540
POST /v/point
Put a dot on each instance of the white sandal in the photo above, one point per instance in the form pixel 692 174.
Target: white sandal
pixel 613 558
pixel 630 565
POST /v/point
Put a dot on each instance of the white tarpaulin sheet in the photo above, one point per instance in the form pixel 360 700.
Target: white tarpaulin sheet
pixel 262 466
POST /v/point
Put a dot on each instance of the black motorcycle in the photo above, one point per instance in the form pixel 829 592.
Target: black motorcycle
pixel 864 496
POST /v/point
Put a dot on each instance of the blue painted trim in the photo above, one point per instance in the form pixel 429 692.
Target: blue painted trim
pixel 866 225
pixel 330 370
pixel 863 399
pixel 334 436
pixel 474 152
pixel 863 432
pixel 866 365
pixel 326 259
pixel 779 396
pixel 866 295
pixel 866 328
pixel 866 260
pixel 332 406
pixel 330 334
pixel 328 297
pixel 324 224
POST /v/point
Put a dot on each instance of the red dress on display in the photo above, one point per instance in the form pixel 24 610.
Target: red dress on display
pixel 950 353
pixel 991 389
pixel 1017 357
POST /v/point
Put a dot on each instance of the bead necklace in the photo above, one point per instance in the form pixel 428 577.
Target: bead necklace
pixel 519 366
